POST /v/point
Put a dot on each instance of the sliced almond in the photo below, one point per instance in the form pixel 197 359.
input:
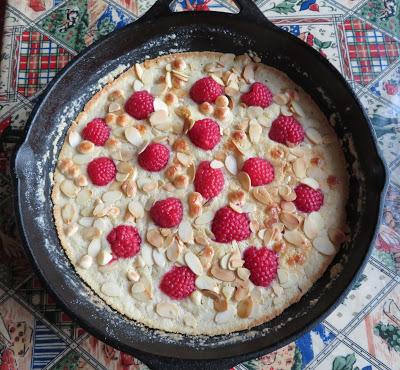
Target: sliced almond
pixel 289 220
pixel 159 257
pixel 314 136
pixel 174 252
pixel 313 224
pixel 129 188
pixel 136 209
pixel 103 257
pixel 323 245
pixel 114 107
pixel 68 213
pixel 204 219
pixel 111 289
pixel 288 206
pixel 255 131
pixel 312 183
pixel 245 307
pixel 184 159
pixel 70 230
pixel 91 233
pixel 286 192
pixel 111 196
pixel 132 275
pixel 336 236
pixel 139 70
pixel 206 282
pixel 185 232
pixel 74 138
pixel 216 164
pixel 262 195
pixel 244 180
pixel 133 135
pixel 147 77
pixel 69 189
pixel 221 274
pixel 167 310
pixel 295 237
pixel 228 291
pixel 297 109
pixel 243 273
pixel 158 118
pixel 137 85
pixel 206 256
pixel 194 263
pixel 94 247
pixel 281 99
pixel 223 317
pixel 85 262
pixel 148 187
pixel 137 288
pixel 160 105
pixel 248 73
pixel 147 255
pixel 82 158
pixel 155 238
pixel 84 197
pixel 300 168
pixel 231 164
pixel 227 59
pixel 224 261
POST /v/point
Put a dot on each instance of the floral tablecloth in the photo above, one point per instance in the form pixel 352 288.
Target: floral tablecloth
pixel 360 37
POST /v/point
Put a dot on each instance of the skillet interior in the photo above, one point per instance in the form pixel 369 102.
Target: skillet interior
pixel 65 97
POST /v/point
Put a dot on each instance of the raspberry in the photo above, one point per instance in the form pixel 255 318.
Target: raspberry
pixel 208 181
pixel 205 134
pixel 206 90
pixel 140 105
pixel 286 130
pixel 125 241
pixel 308 199
pixel 261 172
pixel 167 212
pixel 154 158
pixel 259 95
pixel 101 171
pixel 178 283
pixel 97 131
pixel 262 263
pixel 229 225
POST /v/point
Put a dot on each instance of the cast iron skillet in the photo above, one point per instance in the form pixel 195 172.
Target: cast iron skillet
pixel 160 32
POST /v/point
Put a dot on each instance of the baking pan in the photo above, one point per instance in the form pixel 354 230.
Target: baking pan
pixel 162 32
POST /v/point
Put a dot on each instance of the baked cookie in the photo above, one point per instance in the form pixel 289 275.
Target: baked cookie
pixel 200 193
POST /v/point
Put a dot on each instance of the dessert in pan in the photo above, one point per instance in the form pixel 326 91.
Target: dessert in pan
pixel 201 193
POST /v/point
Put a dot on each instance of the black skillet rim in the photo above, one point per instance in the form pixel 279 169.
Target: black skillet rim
pixel 115 342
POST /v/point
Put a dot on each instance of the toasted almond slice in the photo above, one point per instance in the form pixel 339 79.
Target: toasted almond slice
pixel 228 291
pixel 248 73
pixel 148 187
pixel 136 209
pixel 244 180
pixel 314 136
pixel 85 262
pixel 139 70
pixel 70 230
pixel 155 238
pixel 126 167
pixel 160 105
pixel 184 159
pixel 133 275
pixel 68 213
pixel 336 236
pixel 262 195
pixel 185 232
pixel 133 135
pixel 281 99
pixel 103 257
pixel 158 118
pixel 194 263
pixel 196 297
pixel 227 59
pixel 217 79
pixel 206 282
pixel 84 197
pixel 91 233
pixel 114 107
pixel 297 109
pixel 221 274
pixel 313 224
pixel 204 219
pixel 137 288
pixel 167 310
pixel 223 317
pixel 111 289
pixel 286 111
pixel 74 138
pixel 236 207
pixel 215 164
pixel 289 220
pixel 111 196
pixel 323 245
pixel 147 77
pixel 286 192
pixel 174 252
pixel 288 206
pixel 255 131
pixel 86 221
pixel 224 261
pixel 147 255
pixel 295 237
pixel 94 247
pixel 243 273
pixel 69 189
pixel 245 307
pixel 231 164
pixel 159 257
pixel 312 183
pixel 206 256
pixel 300 168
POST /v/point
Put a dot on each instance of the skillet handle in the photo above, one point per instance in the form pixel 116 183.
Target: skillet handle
pixel 247 10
